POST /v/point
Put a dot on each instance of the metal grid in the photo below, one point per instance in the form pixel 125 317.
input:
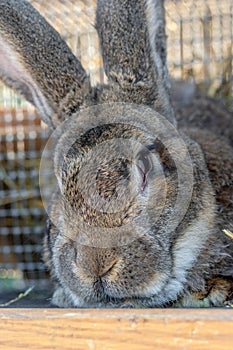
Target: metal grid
pixel 22 137
pixel 200 44
pixel 200 49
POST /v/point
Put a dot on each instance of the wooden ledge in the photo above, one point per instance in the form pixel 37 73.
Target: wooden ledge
pixel 94 329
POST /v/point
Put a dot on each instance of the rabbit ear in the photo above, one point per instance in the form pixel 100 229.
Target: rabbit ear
pixel 36 62
pixel 133 44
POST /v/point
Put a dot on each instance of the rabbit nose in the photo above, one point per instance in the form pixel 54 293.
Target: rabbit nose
pixel 105 270
pixel 92 262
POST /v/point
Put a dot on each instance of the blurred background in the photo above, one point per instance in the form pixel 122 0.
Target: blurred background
pixel 200 56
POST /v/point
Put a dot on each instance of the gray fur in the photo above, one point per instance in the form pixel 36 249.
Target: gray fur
pixel 190 265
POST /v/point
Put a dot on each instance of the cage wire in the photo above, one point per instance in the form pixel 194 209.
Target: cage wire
pixel 200 50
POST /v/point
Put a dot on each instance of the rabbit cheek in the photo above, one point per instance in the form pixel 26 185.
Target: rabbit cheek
pixel 64 262
pixel 63 257
pixel 132 282
pixel 76 285
pixel 141 271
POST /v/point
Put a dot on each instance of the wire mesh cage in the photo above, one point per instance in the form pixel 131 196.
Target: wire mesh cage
pixel 200 50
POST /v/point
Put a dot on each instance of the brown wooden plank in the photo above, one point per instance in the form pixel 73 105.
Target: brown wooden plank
pixel 93 329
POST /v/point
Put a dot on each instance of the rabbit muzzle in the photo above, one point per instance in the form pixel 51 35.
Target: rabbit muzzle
pixel 100 275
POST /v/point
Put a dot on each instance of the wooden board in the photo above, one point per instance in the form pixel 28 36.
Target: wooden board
pixel 93 329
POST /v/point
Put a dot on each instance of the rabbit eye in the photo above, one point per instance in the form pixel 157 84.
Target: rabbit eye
pixel 144 165
pixel 144 162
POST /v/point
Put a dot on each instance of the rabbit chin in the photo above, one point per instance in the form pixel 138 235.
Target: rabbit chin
pixel 110 296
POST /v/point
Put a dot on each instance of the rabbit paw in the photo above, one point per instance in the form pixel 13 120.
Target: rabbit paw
pixel 218 290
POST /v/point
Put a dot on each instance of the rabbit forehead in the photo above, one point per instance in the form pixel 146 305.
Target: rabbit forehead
pixel 143 117
pixel 121 116
pixel 101 143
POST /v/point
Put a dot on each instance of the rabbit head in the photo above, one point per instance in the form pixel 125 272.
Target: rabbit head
pixel 134 207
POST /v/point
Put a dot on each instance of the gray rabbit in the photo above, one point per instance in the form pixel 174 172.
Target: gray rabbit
pixel 133 255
